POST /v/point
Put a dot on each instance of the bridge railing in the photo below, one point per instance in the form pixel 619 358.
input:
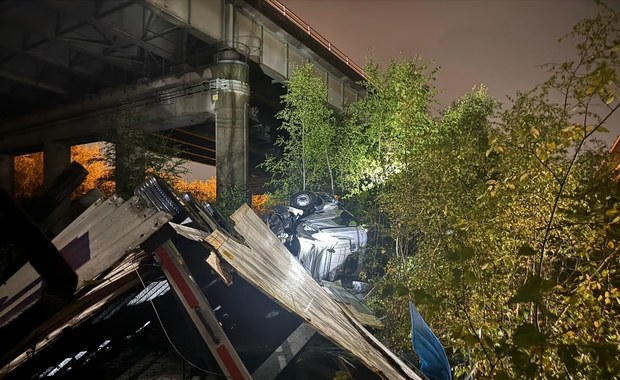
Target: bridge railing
pixel 316 36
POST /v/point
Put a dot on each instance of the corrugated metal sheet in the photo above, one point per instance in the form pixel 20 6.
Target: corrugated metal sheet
pixel 346 299
pixel 117 282
pixel 99 241
pixel 268 265
pixel 113 227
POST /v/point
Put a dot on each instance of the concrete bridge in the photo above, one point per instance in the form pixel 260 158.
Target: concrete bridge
pixel 208 71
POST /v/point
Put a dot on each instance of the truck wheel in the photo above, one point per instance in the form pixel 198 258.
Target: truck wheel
pixel 303 200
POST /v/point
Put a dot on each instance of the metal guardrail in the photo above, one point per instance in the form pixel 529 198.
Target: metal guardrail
pixel 316 36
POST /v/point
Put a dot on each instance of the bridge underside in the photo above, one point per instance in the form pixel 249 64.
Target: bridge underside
pixel 58 52
pixel 68 68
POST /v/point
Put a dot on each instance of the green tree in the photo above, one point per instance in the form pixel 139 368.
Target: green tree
pixel 142 153
pixel 307 139
pixel 391 122
pixel 429 206
pixel 501 225
pixel 513 241
pixel 384 133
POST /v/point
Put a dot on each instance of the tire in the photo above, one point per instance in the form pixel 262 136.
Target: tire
pixel 303 200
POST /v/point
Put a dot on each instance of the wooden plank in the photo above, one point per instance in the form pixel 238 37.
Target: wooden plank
pixel 268 265
pixel 113 228
pixel 117 282
pixel 282 356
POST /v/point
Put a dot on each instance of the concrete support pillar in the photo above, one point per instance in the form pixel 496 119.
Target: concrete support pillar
pixel 56 158
pixel 7 174
pixel 231 97
pixel 130 159
pixel 229 24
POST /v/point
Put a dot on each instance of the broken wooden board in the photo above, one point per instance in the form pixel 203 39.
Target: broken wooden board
pixel 117 282
pixel 267 264
pixel 109 234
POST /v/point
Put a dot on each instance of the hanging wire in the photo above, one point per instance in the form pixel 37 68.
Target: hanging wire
pixel 170 340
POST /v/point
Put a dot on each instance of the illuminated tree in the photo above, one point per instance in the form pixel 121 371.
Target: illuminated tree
pixel 203 190
pixel 28 175
pixel 307 140
pixel 509 244
pixel 29 172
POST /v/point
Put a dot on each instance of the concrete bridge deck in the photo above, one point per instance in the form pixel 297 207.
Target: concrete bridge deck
pixel 70 69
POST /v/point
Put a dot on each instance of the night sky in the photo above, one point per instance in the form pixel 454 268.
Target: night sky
pixel 498 43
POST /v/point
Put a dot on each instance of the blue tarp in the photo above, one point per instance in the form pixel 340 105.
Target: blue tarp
pixel 433 360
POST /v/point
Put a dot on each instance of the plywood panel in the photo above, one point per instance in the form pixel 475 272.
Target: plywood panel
pixel 111 229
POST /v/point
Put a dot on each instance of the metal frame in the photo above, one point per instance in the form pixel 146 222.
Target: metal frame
pixel 199 310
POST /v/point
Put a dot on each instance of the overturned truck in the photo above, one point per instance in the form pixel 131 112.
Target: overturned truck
pixel 162 285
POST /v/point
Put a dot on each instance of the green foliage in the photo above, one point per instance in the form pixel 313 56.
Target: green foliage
pixel 429 204
pixel 391 122
pixel 512 227
pixel 527 335
pixel 308 135
pixel 501 224
pixel 150 153
pixel 229 200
